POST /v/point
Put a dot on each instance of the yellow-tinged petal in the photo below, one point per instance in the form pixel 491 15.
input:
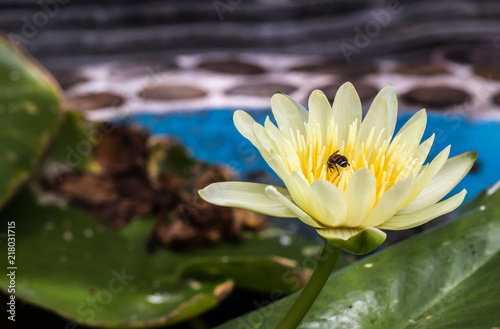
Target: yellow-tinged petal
pixel 412 131
pixel 250 196
pixel 320 112
pixel 376 120
pixel 304 114
pixel 346 110
pixel 452 172
pixel 420 117
pixel 360 196
pixel 389 95
pixel 287 115
pixel 262 138
pixel 422 216
pixel 390 202
pixel 273 193
pixel 428 172
pixel 244 124
pixel 275 161
pixel 422 151
pixel 328 202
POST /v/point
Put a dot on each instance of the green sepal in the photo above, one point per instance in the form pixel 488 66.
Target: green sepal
pixel 351 240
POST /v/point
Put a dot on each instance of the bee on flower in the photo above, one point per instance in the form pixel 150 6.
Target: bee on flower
pixel 382 182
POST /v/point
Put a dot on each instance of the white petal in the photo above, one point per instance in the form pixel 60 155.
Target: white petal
pixel 278 166
pixel 328 204
pixel 304 114
pixel 422 151
pixel 346 109
pixel 426 176
pixel 262 139
pixel 389 95
pixel 287 115
pixel 422 216
pixel 377 120
pixel 244 123
pixel 320 112
pixel 250 196
pixel 274 135
pixel 444 181
pixel 413 130
pixel 420 116
pixel 360 196
pixel 390 202
pixel 273 193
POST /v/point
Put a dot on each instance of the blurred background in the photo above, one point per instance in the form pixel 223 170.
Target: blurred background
pixel 148 61
pixel 180 68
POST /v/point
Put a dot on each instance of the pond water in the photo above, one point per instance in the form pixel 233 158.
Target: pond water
pixel 212 137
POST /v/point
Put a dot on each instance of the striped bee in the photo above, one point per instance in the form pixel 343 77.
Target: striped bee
pixel 337 160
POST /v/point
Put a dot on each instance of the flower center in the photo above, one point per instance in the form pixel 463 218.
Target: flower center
pixel 388 161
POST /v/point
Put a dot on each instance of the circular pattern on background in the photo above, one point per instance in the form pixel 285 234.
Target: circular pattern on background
pixel 171 92
pixel 231 67
pixel 133 69
pixel 68 79
pixel 435 97
pixel 489 72
pixel 261 90
pixel 92 101
pixel 431 82
pixel 423 69
pixel 496 99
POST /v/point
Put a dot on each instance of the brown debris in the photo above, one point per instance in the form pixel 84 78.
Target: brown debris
pixel 198 223
pixel 87 188
pixel 122 188
pixel 114 200
pixel 122 150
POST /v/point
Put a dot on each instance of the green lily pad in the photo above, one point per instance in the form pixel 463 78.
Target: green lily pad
pixel 73 266
pixel 29 117
pixel 445 278
pixel 69 264
pixel 251 264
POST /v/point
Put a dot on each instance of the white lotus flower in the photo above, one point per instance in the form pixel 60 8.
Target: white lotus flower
pixel 385 186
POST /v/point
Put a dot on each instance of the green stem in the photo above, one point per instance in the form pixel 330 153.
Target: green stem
pixel 302 305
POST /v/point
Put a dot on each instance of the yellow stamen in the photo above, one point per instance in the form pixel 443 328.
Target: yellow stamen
pixel 388 162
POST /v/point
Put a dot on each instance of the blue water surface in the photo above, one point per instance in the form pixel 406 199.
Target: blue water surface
pixel 211 136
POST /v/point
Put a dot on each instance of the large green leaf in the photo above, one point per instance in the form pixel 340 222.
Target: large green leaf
pixel 252 264
pixel 69 264
pixel 446 278
pixel 29 117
